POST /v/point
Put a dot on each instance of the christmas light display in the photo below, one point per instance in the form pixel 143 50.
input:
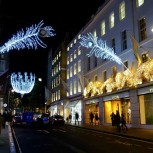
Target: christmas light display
pixel 28 39
pixel 99 48
pixel 22 83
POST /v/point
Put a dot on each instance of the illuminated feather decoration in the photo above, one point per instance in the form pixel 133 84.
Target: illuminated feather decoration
pixel 99 48
pixel 29 39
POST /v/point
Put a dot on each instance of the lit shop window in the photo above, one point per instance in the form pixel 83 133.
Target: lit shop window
pixel 146 105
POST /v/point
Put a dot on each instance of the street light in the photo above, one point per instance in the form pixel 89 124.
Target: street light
pixel 44 90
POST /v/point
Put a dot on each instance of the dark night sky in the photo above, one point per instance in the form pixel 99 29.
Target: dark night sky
pixel 63 16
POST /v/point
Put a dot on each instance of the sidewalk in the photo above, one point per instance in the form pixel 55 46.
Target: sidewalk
pixel 6 140
pixel 137 133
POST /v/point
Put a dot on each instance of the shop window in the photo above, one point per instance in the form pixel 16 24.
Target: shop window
pixel 146 109
pixel 121 105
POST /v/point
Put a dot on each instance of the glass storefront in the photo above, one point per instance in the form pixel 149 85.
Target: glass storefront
pixel 146 109
pixel 72 108
pixel 94 108
pixel 121 105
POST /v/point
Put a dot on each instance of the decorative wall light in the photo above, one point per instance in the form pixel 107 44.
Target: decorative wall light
pixel 28 39
pixel 22 84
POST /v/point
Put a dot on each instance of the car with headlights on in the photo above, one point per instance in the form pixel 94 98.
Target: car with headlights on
pixel 17 120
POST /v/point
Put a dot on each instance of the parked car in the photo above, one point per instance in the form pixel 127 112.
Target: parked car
pixel 56 120
pixel 17 120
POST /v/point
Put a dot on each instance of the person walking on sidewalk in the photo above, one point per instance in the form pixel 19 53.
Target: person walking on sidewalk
pixel 117 120
pixel 91 118
pixel 96 119
pixel 70 118
pixel 76 118
pixel 5 119
pixel 1 122
pixel 113 118
pixel 123 122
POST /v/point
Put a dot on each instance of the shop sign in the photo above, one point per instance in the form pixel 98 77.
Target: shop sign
pixel 115 97
pixel 151 90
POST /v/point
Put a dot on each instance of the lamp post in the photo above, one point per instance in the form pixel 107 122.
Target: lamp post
pixel 43 86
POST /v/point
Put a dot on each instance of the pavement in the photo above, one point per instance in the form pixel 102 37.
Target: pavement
pixel 7 144
pixel 7 141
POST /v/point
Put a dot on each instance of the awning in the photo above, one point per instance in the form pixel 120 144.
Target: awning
pixel 71 104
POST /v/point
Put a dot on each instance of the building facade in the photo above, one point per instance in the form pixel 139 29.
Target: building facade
pixel 101 84
pixel 57 83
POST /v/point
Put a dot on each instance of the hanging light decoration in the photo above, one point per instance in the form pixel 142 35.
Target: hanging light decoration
pixel 22 84
pixel 28 39
pixel 99 48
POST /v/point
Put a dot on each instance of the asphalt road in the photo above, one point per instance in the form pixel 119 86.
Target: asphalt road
pixel 69 139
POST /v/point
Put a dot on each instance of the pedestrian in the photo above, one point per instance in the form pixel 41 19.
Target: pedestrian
pixel 5 119
pixel 76 118
pixel 70 118
pixel 1 122
pixel 117 120
pixel 91 118
pixel 123 122
pixel 113 118
pixel 96 119
pixel 67 119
